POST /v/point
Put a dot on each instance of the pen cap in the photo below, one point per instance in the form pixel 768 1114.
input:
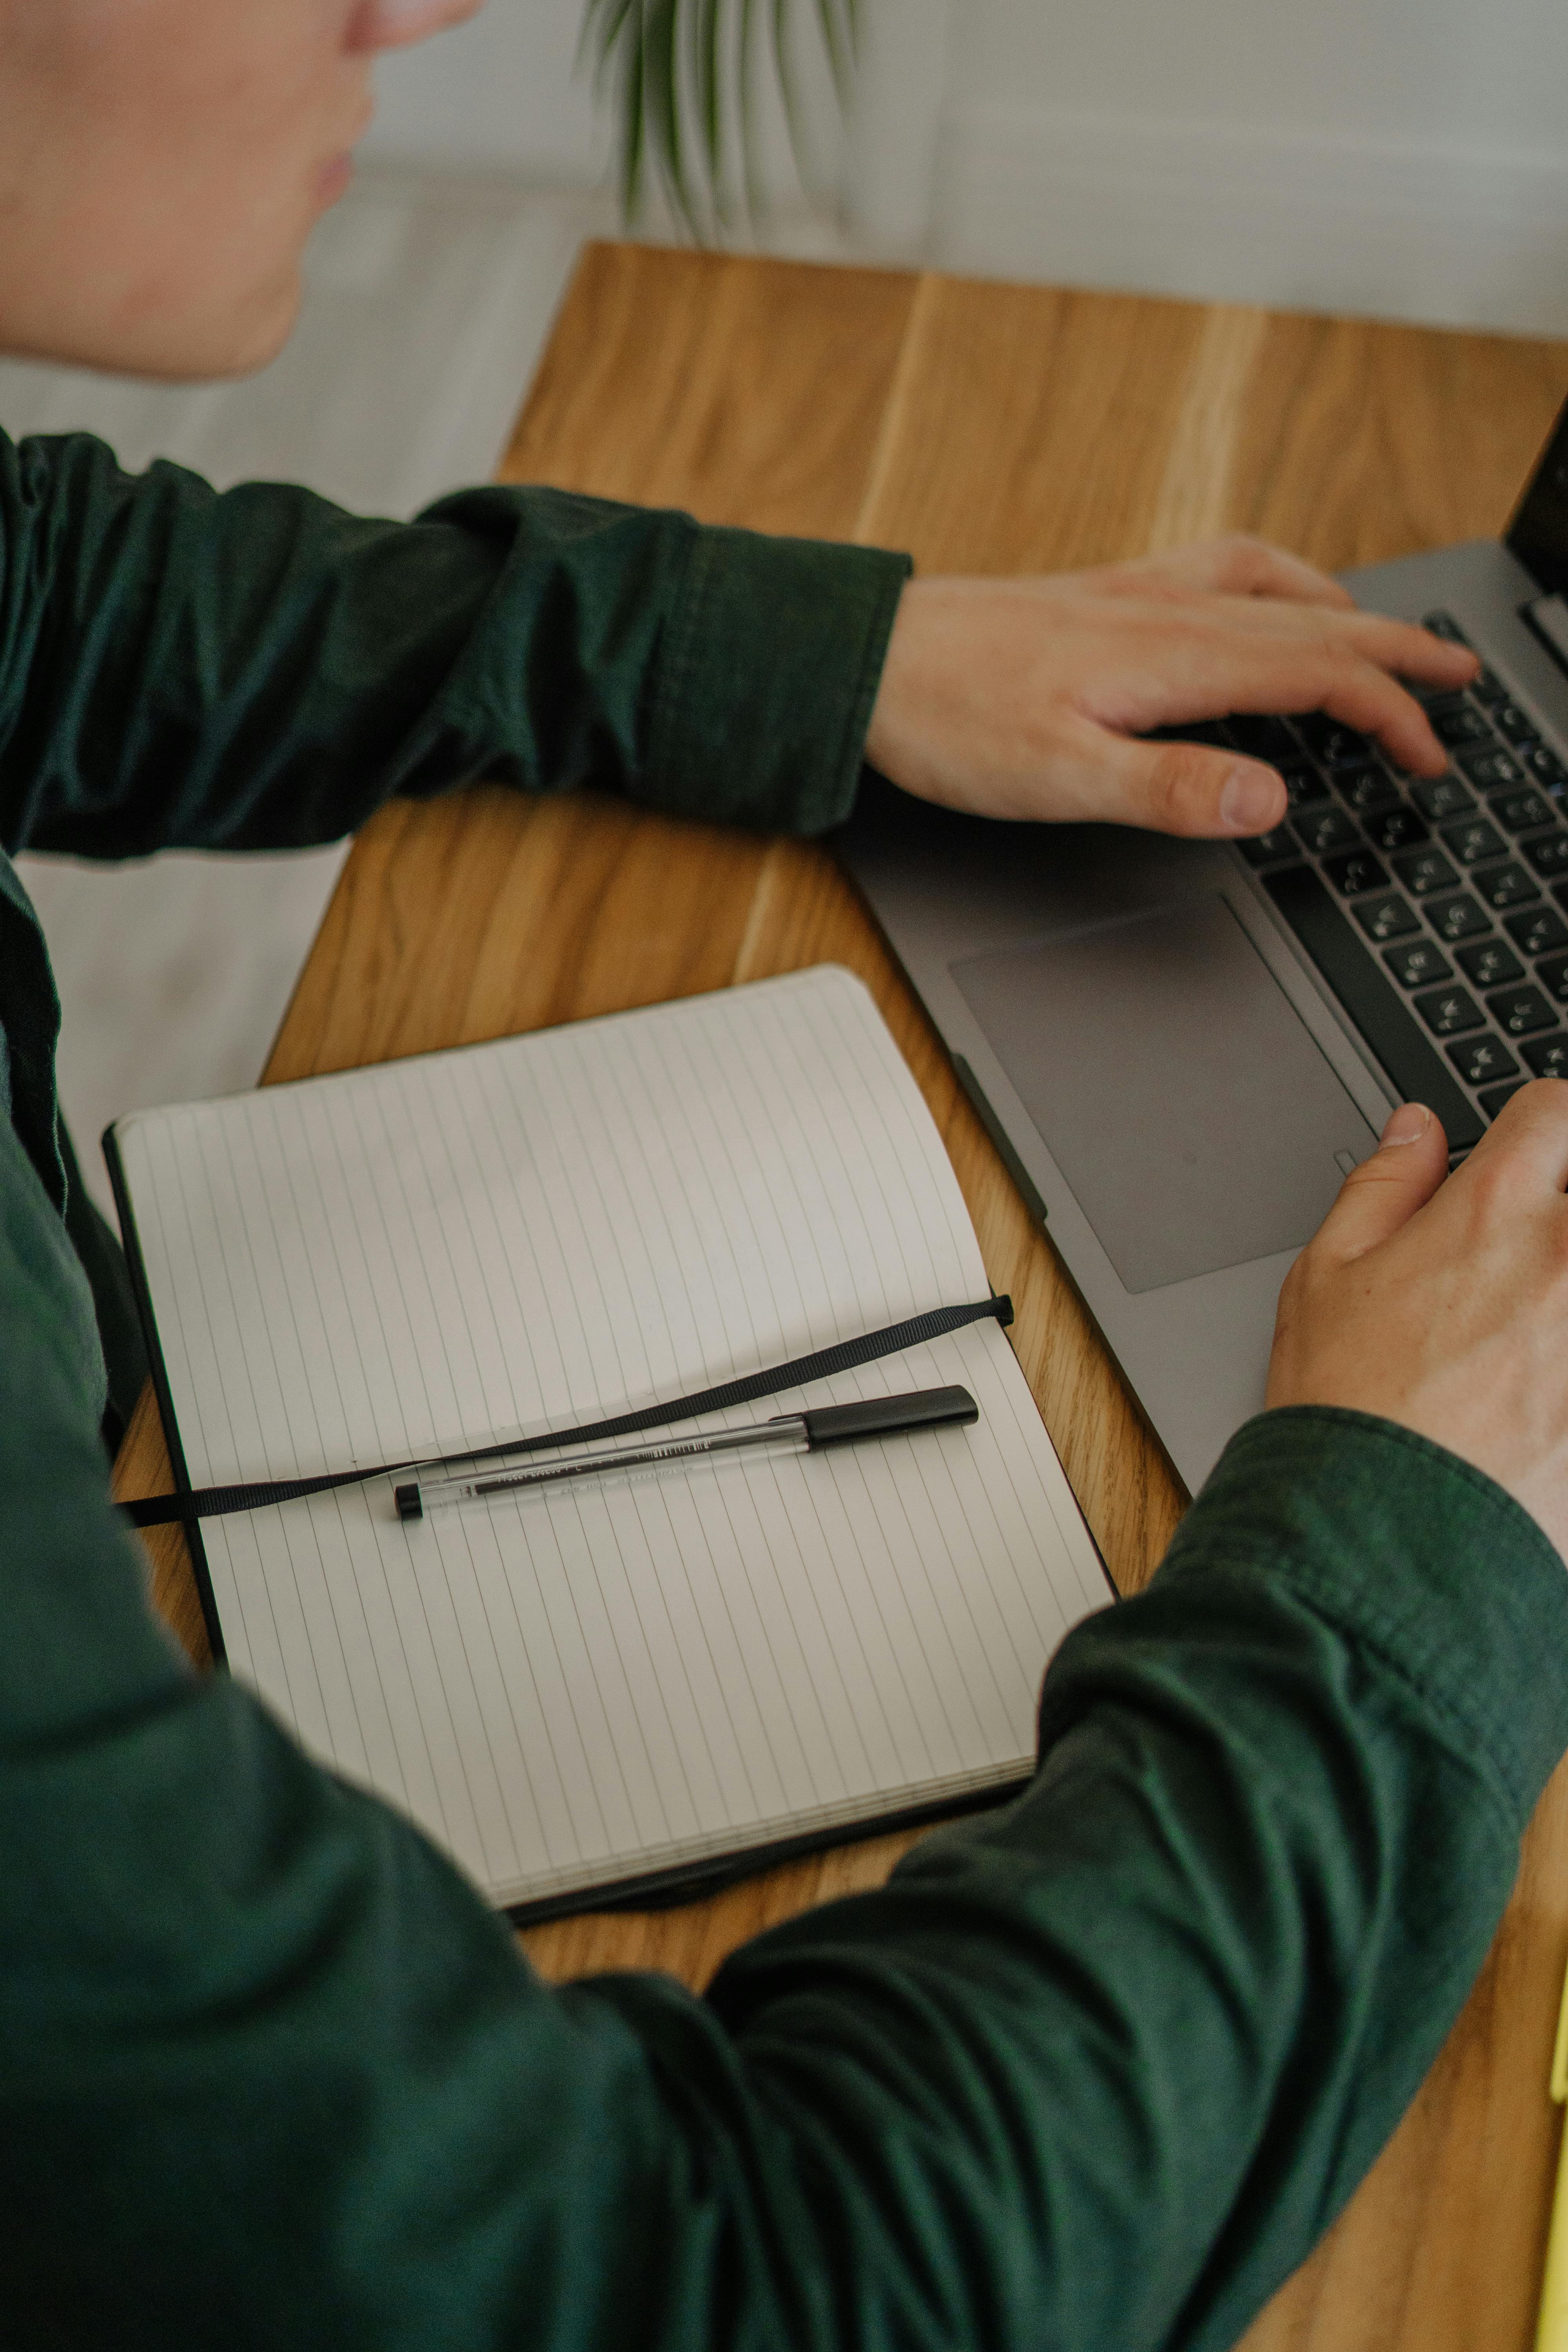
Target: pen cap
pixel 894 1416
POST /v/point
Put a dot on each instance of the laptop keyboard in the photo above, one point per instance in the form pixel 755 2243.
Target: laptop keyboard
pixel 1436 908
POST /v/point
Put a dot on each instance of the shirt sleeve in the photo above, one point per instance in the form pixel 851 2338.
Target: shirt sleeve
pixel 1093 2071
pixel 261 670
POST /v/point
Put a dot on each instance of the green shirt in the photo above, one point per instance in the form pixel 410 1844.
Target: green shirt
pixel 1092 2070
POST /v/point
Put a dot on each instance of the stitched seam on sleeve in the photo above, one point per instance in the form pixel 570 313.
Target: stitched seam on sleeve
pixel 1372 1643
pixel 878 629
pixel 1362 1624
pixel 679 655
pixel 1499 1503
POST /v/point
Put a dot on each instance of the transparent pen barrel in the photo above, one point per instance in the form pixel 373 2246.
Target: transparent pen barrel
pixel 651 1460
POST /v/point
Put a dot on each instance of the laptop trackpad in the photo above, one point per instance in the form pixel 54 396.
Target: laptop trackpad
pixel 1187 1105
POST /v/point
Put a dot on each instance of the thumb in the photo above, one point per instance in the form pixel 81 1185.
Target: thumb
pixel 1385 1192
pixel 1183 788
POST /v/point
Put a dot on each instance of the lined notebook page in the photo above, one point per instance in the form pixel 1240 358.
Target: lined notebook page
pixel 567 1690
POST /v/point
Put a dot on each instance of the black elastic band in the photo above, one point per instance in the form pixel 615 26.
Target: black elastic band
pixel 218 1502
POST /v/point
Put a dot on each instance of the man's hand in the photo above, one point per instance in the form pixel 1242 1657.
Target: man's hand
pixel 1023 697
pixel 1445 1305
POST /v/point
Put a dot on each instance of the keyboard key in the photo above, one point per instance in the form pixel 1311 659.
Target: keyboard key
pixel 1441 796
pixel 1424 872
pixel 1357 871
pixel 1553 976
pixel 1416 1071
pixel 1456 722
pixel 1491 963
pixel 1443 625
pixel 1328 740
pixel 1492 770
pixel 1548 1056
pixel 1494 1097
pixel 1536 930
pixel 1489 689
pixel 1522 1011
pixel 1448 1011
pixel 1325 830
pixel 1516 724
pixel 1458 919
pixel 1473 841
pixel 1396 828
pixel 1505 886
pixel 1538 761
pixel 1548 853
pixel 1365 788
pixel 1264 739
pixel 1268 848
pixel 1482 1060
pixel 1388 917
pixel 1303 786
pixel 1418 965
pixel 1521 812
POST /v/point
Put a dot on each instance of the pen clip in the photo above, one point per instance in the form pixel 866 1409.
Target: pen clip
pixel 1560 2051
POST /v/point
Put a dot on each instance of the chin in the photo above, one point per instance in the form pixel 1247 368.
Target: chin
pixel 214 344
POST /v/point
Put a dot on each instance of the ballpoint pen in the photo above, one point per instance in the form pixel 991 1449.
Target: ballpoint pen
pixel 793 1433
pixel 1551 2328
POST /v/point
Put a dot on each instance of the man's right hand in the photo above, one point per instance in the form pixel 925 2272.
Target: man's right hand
pixel 1030 698
pixel 1444 1306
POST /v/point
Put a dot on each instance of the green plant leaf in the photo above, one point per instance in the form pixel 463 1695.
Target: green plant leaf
pixel 706 44
pixel 681 70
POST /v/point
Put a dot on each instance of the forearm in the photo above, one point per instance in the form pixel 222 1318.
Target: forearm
pixel 1096 2070
pixel 261 670
pixel 1143 2032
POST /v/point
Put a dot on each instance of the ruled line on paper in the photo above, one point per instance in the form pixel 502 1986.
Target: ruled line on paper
pixel 433 1252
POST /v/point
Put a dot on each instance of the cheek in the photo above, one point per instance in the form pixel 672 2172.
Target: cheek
pixel 237 160
pixel 161 169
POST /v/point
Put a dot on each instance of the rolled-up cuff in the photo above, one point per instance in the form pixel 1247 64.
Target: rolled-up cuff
pixel 767 679
pixel 1413 1555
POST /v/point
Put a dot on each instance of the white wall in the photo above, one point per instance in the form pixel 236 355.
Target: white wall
pixel 499 93
pixel 506 92
pixel 1406 156
pixel 1400 156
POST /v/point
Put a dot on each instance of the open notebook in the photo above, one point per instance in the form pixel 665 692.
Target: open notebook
pixel 626 1682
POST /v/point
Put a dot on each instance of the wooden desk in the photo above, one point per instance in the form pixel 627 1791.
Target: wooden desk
pixel 989 428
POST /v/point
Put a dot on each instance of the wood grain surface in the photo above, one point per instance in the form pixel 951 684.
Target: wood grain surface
pixel 993 428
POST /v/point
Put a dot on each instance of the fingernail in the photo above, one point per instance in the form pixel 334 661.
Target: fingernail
pixel 1408 1123
pixel 1252 799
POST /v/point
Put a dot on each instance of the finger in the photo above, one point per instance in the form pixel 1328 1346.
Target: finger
pixel 1236 566
pixel 1355 690
pixel 1245 566
pixel 1393 645
pixel 1528 1136
pixel 1414 652
pixel 1179 788
pixel 1367 699
pixel 1209 658
pixel 1385 1192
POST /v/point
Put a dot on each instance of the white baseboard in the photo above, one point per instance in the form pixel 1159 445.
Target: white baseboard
pixel 1466 239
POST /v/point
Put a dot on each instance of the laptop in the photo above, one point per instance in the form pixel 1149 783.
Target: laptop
pixel 1181 1048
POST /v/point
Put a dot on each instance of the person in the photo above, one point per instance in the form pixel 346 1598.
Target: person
pixel 1095 2069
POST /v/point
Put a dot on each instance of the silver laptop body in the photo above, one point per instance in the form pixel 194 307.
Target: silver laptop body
pixel 1181 1048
